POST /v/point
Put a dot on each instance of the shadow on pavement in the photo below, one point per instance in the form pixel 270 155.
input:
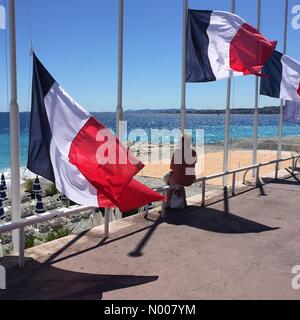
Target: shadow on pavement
pixel 213 220
pixel 39 282
pixel 281 181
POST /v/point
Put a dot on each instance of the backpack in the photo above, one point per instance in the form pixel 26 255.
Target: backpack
pixel 177 200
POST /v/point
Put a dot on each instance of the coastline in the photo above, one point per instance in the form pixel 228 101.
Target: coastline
pixel 144 150
pixel 210 159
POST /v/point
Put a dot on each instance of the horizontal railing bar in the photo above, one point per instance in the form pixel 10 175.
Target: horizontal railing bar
pixel 162 189
pixel 218 175
pixel 9 226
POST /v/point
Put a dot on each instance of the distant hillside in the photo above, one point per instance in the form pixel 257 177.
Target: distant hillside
pixel 264 110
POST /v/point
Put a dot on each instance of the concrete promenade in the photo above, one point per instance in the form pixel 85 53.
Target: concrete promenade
pixel 240 248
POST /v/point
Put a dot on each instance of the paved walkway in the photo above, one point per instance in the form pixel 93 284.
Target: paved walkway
pixel 202 253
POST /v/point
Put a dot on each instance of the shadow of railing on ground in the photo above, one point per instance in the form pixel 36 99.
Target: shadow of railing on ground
pixel 213 220
pixel 40 281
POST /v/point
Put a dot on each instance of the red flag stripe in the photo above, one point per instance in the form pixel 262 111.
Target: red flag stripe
pixel 250 50
pixel 108 178
pixel 134 196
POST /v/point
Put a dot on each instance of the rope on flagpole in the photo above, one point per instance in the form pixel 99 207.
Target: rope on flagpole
pixel 227 119
pixel 282 101
pixel 29 71
pixel 6 65
pixel 233 96
pixel 257 101
pixel 183 75
pixel 29 22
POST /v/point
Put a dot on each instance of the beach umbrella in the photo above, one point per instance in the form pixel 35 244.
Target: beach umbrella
pixel 3 182
pixel 36 187
pixel 2 213
pixel 3 195
pixel 39 208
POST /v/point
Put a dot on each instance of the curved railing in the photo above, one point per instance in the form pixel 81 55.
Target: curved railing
pixel 21 224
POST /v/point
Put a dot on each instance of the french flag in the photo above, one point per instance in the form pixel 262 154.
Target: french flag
pixel 221 44
pixel 292 111
pixel 284 78
pixel 69 147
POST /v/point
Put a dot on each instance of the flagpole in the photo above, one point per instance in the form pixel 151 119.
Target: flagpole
pixel 255 120
pixel 14 130
pixel 280 128
pixel 227 119
pixel 119 115
pixel 183 82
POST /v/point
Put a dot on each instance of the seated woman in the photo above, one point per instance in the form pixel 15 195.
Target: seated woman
pixel 183 168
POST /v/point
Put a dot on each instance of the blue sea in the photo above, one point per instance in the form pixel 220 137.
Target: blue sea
pixel 213 125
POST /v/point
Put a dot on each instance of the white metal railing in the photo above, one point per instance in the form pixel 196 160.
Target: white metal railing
pixel 21 224
pixel 256 167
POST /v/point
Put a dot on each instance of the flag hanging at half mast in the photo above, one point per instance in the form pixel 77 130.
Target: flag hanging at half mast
pixel 284 78
pixel 69 147
pixel 292 111
pixel 221 44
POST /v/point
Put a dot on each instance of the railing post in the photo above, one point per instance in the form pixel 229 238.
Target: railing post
pixel 22 248
pixel 257 176
pixel 293 165
pixel 163 209
pixel 203 191
pixel 276 170
pixel 146 211
pixel 106 223
pixel 1 250
pixel 296 162
pixel 233 183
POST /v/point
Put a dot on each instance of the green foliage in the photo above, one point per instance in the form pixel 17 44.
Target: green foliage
pixel 51 190
pixel 58 233
pixel 29 241
pixel 28 185
pixel 6 252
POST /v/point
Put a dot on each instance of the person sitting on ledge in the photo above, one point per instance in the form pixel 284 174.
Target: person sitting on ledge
pixel 183 173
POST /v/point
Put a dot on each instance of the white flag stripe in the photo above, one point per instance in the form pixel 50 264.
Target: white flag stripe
pixel 66 118
pixel 220 34
pixel 290 79
pixel 70 181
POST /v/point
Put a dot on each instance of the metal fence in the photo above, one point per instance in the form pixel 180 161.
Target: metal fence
pixel 23 223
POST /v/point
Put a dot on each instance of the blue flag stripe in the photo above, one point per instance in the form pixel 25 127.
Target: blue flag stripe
pixel 198 68
pixel 40 138
pixel 273 68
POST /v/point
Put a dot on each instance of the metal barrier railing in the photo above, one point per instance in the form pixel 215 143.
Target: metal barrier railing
pixel 21 224
pixel 234 172
pixel 255 167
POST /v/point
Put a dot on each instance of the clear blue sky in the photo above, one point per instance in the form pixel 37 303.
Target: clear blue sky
pixel 77 42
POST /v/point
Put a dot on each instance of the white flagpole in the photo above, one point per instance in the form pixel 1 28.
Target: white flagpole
pixel 106 223
pixel 14 130
pixel 280 128
pixel 255 120
pixel 119 114
pixel 227 120
pixel 183 82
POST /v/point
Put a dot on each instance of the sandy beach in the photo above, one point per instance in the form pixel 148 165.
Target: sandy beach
pixel 211 162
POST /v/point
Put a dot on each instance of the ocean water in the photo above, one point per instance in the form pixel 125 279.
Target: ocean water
pixel 213 125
